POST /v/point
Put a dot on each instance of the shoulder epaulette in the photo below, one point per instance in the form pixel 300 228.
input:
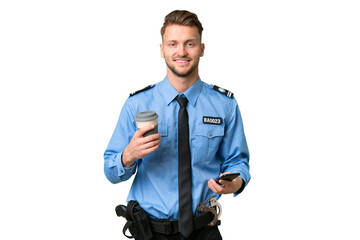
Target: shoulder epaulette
pixel 141 90
pixel 223 91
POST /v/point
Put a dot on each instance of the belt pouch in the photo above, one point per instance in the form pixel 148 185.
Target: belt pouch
pixel 140 219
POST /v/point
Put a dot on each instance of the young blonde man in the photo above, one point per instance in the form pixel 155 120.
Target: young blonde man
pixel 200 137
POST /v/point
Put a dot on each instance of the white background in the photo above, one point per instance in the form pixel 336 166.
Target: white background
pixel 66 68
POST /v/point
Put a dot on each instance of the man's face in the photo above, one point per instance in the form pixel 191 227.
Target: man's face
pixel 182 49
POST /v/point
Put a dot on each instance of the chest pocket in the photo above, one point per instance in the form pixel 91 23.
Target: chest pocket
pixel 207 140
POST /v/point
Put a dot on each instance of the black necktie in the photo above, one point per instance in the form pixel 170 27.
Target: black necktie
pixel 184 174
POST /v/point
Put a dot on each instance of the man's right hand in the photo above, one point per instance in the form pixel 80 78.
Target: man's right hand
pixel 140 146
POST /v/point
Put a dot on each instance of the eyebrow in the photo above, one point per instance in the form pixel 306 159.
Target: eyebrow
pixel 189 40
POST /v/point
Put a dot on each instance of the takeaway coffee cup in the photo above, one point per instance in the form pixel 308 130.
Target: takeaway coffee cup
pixel 145 118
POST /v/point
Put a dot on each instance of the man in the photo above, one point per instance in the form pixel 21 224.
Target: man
pixel 197 121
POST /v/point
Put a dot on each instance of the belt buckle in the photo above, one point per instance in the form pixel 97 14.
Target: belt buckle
pixel 174 226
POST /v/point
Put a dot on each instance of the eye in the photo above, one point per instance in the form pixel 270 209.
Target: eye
pixel 172 44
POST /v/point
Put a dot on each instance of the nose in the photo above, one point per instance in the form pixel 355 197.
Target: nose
pixel 182 51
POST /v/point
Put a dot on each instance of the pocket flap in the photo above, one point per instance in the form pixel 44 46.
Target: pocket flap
pixel 209 131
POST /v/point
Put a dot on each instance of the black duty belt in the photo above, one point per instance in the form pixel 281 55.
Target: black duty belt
pixel 166 226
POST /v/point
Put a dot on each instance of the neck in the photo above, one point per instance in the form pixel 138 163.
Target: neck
pixel 181 84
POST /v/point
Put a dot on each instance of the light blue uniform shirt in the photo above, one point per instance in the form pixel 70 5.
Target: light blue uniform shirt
pixel 214 148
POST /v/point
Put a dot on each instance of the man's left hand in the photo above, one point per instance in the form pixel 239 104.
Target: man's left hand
pixel 224 186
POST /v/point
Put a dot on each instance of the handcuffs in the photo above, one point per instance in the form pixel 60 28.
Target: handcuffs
pixel 214 208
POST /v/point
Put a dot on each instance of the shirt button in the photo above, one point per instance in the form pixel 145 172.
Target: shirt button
pixel 210 134
pixel 121 171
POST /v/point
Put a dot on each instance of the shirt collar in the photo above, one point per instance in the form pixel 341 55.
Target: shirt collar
pixel 191 94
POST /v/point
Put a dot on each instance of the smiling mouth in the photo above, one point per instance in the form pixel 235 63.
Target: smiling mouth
pixel 182 60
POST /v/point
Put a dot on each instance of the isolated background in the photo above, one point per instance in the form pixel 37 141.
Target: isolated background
pixel 66 68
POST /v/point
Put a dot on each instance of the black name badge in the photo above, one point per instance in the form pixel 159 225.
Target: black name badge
pixel 212 120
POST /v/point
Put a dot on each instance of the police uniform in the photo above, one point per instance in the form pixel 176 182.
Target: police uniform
pixel 217 145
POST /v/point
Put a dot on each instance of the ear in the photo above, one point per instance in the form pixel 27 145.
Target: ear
pixel 161 50
pixel 202 50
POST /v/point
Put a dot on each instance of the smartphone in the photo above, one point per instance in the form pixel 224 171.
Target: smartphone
pixel 228 177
